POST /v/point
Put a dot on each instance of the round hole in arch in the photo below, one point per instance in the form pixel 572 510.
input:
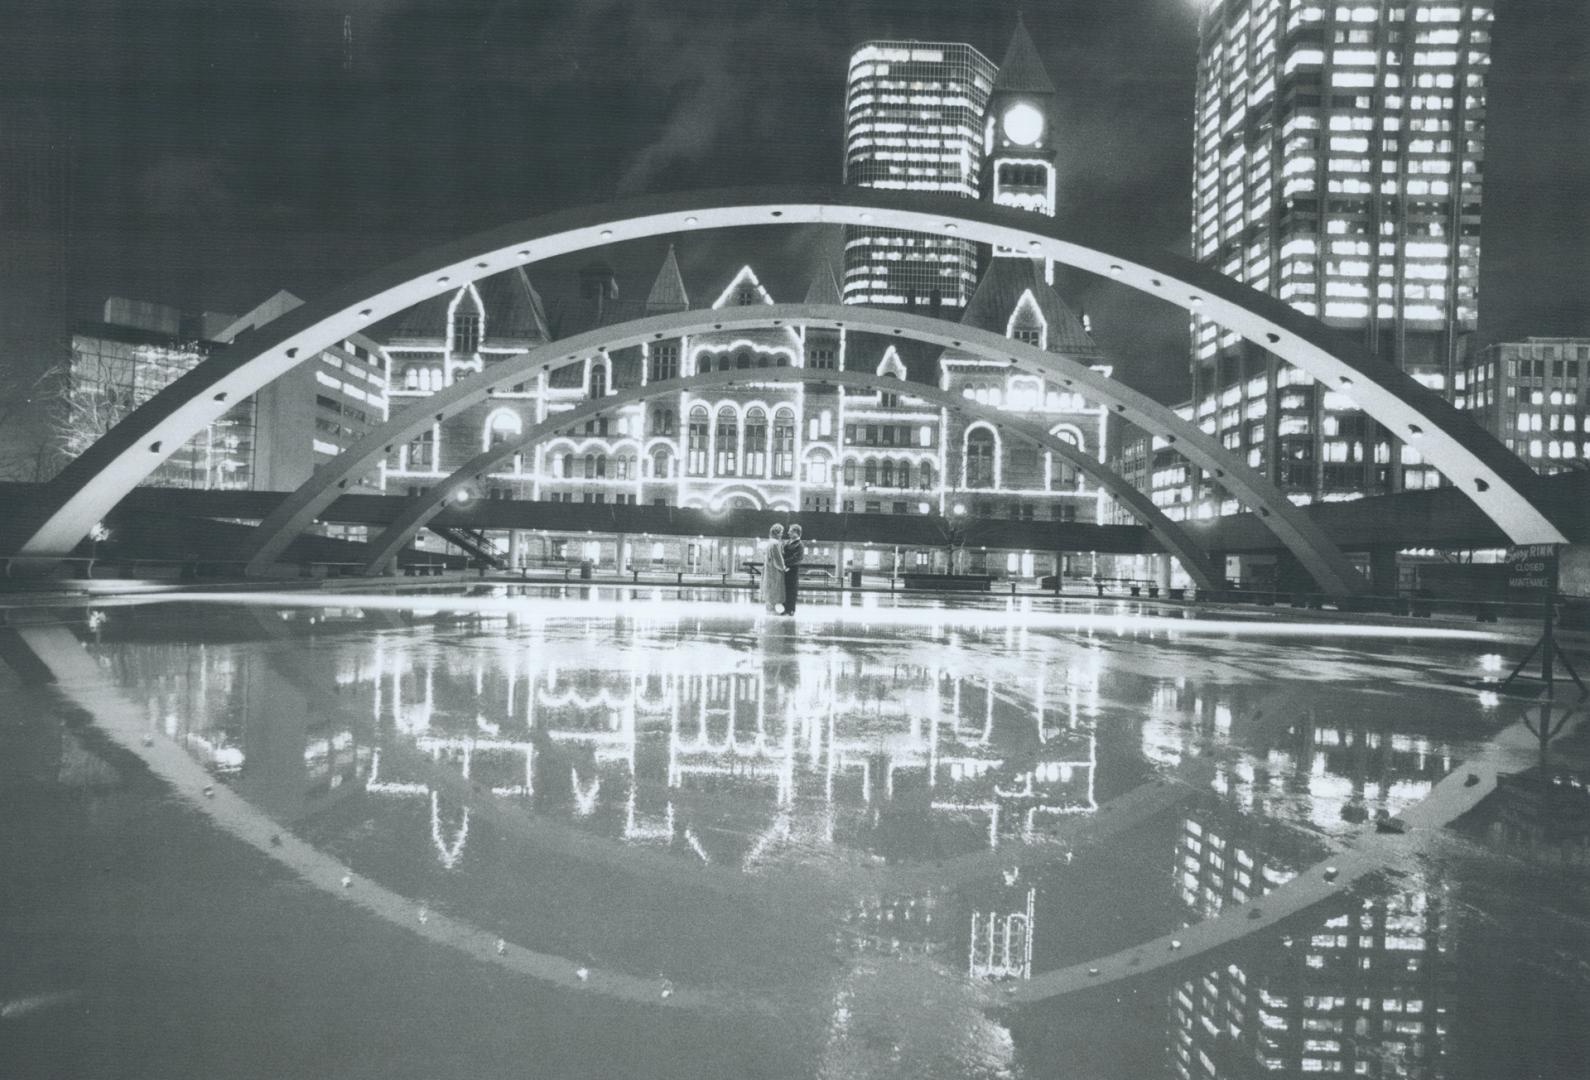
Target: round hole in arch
pixel 292 354
pixel 1273 339
pixel 691 220
pixel 1196 301
pixel 656 337
pixel 1481 485
pixel 1219 473
pixel 523 253
pixel 1415 430
pixel 343 483
pixel 955 344
pixel 364 313
pixel 482 265
pixel 1264 511
pixel 221 396
pixel 898 332
pixel 1120 408
pixel 778 213
pixel 717 326
pixel 1344 380
pixel 607 234
pixel 1155 282
pixel 154 447
pixel 1117 269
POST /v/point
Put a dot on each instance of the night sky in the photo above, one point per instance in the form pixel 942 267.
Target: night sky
pixel 221 150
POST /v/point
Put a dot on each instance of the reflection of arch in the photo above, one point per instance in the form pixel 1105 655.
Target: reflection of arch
pixel 1291 525
pixel 1172 534
pixel 1498 482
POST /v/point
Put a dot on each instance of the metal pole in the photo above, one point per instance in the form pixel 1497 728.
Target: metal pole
pixel 1548 652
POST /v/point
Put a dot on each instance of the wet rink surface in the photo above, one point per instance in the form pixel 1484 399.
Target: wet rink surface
pixel 599 832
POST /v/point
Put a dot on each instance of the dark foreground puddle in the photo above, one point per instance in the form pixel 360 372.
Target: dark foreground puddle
pixel 568 833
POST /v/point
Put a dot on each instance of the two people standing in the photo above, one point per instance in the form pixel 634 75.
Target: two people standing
pixel 781 568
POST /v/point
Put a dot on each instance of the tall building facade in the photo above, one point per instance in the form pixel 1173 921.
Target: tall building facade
pixel 133 353
pixel 271 441
pixel 1338 151
pixel 1531 395
pixel 914 121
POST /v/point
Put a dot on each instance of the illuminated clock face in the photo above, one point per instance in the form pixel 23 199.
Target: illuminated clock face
pixel 1023 124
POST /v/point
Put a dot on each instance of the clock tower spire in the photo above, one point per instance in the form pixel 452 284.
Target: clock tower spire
pixel 1018 135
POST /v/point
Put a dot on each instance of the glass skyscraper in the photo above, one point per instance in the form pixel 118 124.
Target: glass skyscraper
pixel 1338 154
pixel 914 115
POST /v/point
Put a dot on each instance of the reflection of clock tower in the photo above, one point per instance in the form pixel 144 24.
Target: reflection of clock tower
pixel 1018 136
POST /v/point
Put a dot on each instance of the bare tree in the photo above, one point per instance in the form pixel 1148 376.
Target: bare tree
pixel 28 449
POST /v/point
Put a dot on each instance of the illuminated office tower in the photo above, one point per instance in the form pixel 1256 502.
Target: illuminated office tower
pixel 914 122
pixel 1338 152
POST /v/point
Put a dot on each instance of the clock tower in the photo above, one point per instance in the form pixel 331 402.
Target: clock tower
pixel 1018 136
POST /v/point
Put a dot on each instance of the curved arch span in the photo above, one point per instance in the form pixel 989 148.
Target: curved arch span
pixel 1292 527
pixel 1500 483
pixel 423 509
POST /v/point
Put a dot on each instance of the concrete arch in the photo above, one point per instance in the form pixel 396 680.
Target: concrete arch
pixel 1498 482
pixel 423 509
pixel 1291 525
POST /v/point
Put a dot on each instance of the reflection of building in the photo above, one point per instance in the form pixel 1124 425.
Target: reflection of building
pixel 1529 394
pixel 1359 995
pixel 1001 943
pixel 1338 154
pixel 1362 995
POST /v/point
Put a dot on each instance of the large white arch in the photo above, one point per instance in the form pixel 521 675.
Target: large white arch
pixel 1500 483
pixel 1291 525
pixel 421 510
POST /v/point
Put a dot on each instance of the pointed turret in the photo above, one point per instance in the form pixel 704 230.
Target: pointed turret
pixel 1022 71
pixel 668 291
pixel 1005 287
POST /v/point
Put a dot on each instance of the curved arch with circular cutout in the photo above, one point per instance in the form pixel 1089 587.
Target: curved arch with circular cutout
pixel 423 509
pixel 1291 525
pixel 1498 482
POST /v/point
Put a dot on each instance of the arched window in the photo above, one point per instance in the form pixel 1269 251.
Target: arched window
pixel 756 442
pixel 725 362
pixel 662 421
pixel 742 361
pixel 696 463
pixel 727 441
pixel 886 474
pixel 980 458
pixel 590 466
pixel 568 465
pixel 869 475
pixel 761 360
pixel 783 361
pixel 598 379
pixel 601 464
pixel 660 462
pixel 504 424
pixel 411 379
pixel 904 474
pixel 925 475
pixel 783 443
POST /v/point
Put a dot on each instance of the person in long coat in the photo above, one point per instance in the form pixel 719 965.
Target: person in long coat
pixel 773 570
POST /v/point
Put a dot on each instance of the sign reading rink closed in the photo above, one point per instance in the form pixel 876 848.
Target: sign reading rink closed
pixel 1532 566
